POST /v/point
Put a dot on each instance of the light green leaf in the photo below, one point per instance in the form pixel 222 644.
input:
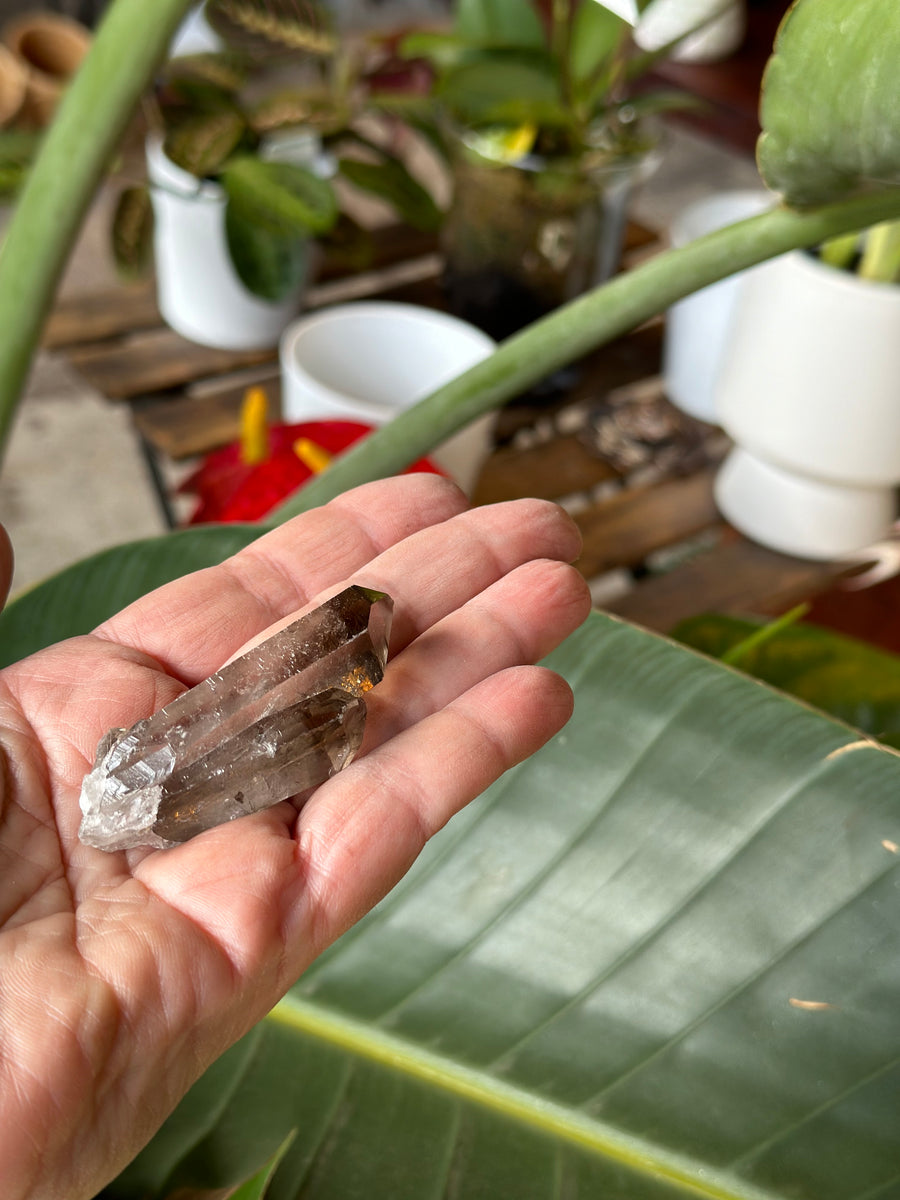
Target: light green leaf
pixel 513 23
pixel 851 680
pixel 660 960
pixel 441 49
pixel 391 181
pixel 284 196
pixel 256 1187
pixel 830 106
pixel 596 34
pixel 77 599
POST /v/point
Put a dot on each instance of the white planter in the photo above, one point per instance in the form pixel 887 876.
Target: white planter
pixel 198 290
pixel 698 328
pixel 666 20
pixel 810 392
pixel 369 360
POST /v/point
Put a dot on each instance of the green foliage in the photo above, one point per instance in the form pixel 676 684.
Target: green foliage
pixel 132 233
pixel 201 144
pixel 854 681
pixel 390 180
pixel 77 599
pixel 283 196
pixel 831 101
pixel 658 961
pixel 18 148
pixel 504 64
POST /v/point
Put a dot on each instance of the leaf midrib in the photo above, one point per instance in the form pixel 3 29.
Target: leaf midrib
pixel 551 1119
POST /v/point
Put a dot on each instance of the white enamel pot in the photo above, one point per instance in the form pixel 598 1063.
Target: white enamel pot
pixel 198 290
pixel 810 392
pixel 370 360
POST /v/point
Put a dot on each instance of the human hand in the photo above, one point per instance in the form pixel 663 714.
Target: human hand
pixel 123 976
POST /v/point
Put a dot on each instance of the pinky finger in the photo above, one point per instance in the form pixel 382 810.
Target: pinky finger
pixel 360 833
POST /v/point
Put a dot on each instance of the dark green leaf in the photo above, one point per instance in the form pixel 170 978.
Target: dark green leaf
pixel 202 143
pixel 391 181
pixel 658 961
pixel 849 679
pixel 80 597
pixel 512 23
pixel 271 262
pixel 19 146
pixel 283 196
pixel 830 106
pixel 132 233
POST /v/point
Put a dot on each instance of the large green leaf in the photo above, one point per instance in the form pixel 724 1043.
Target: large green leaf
pixel 80 597
pixel 659 960
pixel 831 101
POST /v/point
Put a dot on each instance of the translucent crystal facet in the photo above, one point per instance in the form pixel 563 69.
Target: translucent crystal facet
pixel 274 723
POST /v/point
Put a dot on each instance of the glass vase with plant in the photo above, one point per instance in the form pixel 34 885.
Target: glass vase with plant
pixel 546 134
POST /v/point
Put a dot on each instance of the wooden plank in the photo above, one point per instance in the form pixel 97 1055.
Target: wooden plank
pixel 551 470
pixel 737 577
pixel 624 529
pixel 96 316
pixel 183 426
pixel 154 361
pixel 628 359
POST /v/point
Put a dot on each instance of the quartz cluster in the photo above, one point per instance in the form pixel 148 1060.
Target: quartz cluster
pixel 274 723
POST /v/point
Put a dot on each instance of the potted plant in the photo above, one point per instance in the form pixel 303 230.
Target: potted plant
pixel 241 160
pixel 808 391
pixel 546 138
pixel 660 961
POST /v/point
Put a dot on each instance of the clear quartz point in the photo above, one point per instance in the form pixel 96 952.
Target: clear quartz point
pixel 274 723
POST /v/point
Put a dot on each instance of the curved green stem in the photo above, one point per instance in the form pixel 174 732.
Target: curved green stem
pixel 583 325
pixel 79 145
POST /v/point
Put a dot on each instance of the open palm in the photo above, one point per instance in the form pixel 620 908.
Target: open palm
pixel 122 976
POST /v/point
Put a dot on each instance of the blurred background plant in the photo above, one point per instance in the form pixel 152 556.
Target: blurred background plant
pixel 547 123
pixel 873 254
pixel 273 118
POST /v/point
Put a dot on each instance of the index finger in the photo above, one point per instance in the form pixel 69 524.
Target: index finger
pixel 191 626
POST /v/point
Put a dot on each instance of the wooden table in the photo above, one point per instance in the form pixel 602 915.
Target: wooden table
pixel 636 476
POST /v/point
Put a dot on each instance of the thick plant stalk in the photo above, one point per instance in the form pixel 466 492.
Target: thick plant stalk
pixel 77 150
pixel 582 325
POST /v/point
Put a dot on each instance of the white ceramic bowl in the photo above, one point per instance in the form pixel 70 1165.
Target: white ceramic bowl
pixel 370 360
pixel 698 327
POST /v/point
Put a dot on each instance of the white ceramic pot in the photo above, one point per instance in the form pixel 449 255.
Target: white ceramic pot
pixel 810 392
pixel 369 360
pixel 698 327
pixel 198 290
pixel 665 20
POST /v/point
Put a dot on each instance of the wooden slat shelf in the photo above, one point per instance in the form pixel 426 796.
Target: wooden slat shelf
pixel 633 493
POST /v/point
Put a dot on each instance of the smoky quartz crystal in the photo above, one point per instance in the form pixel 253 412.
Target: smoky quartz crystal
pixel 274 723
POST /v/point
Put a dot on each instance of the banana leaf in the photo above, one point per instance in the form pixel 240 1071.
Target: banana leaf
pixel 659 960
